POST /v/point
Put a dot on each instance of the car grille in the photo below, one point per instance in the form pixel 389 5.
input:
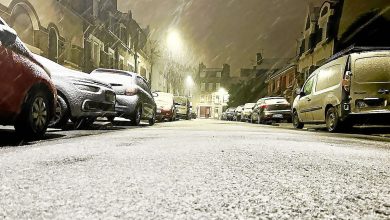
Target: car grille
pixel 110 96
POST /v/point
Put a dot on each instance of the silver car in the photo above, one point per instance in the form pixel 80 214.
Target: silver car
pixel 134 98
pixel 81 98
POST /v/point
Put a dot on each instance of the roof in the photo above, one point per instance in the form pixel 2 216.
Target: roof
pixel 281 71
pixel 272 63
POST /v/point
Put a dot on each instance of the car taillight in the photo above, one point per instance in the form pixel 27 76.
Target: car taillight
pixel 131 91
pixel 264 106
pixel 346 82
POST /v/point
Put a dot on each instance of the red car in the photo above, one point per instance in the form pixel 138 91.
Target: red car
pixel 165 106
pixel 26 92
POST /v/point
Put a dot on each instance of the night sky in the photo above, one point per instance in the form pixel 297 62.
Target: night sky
pixel 225 31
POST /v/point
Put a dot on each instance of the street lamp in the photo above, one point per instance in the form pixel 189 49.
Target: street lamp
pixel 174 42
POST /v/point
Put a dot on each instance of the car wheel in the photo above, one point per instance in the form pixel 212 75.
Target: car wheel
pixel 136 118
pixel 332 120
pixel 111 118
pixel 62 114
pixel 34 117
pixel 296 122
pixel 152 120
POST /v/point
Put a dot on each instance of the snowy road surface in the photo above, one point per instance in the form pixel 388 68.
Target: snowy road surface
pixel 197 169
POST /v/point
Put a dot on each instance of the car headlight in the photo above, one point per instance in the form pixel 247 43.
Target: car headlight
pixel 87 88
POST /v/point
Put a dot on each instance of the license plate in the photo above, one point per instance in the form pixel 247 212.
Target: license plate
pixel 278 116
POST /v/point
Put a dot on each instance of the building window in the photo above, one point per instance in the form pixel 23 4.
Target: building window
pixel 219 74
pixel 122 33
pixel 96 47
pixel 121 63
pixel 130 67
pixel 202 74
pixel 324 11
pixel 211 87
pixel 218 86
pixel 53 45
pixel 111 58
pixel 203 87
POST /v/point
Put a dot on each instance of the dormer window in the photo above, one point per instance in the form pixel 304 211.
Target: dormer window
pixel 324 11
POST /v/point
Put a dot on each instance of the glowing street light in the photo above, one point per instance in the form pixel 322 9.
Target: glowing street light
pixel 174 42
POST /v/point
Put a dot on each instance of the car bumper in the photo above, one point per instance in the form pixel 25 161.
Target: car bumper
pixel 164 114
pixel 126 105
pixel 278 117
pixel 88 104
pixel 373 117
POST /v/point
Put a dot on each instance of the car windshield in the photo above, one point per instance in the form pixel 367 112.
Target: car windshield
pixel 181 100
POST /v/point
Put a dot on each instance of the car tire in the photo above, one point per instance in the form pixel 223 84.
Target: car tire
pixel 333 123
pixel 136 118
pixel 296 121
pixel 152 120
pixel 62 114
pixel 111 118
pixel 35 116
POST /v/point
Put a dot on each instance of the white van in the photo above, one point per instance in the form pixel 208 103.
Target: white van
pixel 352 88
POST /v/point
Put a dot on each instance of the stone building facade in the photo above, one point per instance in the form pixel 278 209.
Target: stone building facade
pixel 82 35
pixel 318 40
pixel 210 97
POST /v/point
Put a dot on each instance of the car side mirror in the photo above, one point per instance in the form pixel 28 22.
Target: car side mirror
pixel 7 35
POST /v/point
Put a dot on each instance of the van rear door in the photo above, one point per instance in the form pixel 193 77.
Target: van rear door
pixel 370 84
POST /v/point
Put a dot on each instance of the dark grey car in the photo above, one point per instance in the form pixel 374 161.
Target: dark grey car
pixel 134 99
pixel 80 97
pixel 271 109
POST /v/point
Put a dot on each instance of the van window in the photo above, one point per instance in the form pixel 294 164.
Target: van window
pixel 309 86
pixel 329 77
pixel 373 69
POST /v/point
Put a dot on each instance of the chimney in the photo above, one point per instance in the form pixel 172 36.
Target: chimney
pixel 259 58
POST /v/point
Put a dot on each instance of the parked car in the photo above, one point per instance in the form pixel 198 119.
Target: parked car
pixel 194 115
pixel 165 106
pixel 27 94
pixel 271 109
pixel 134 99
pixel 353 87
pixel 183 107
pixel 238 113
pixel 229 114
pixel 247 112
pixel 81 98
